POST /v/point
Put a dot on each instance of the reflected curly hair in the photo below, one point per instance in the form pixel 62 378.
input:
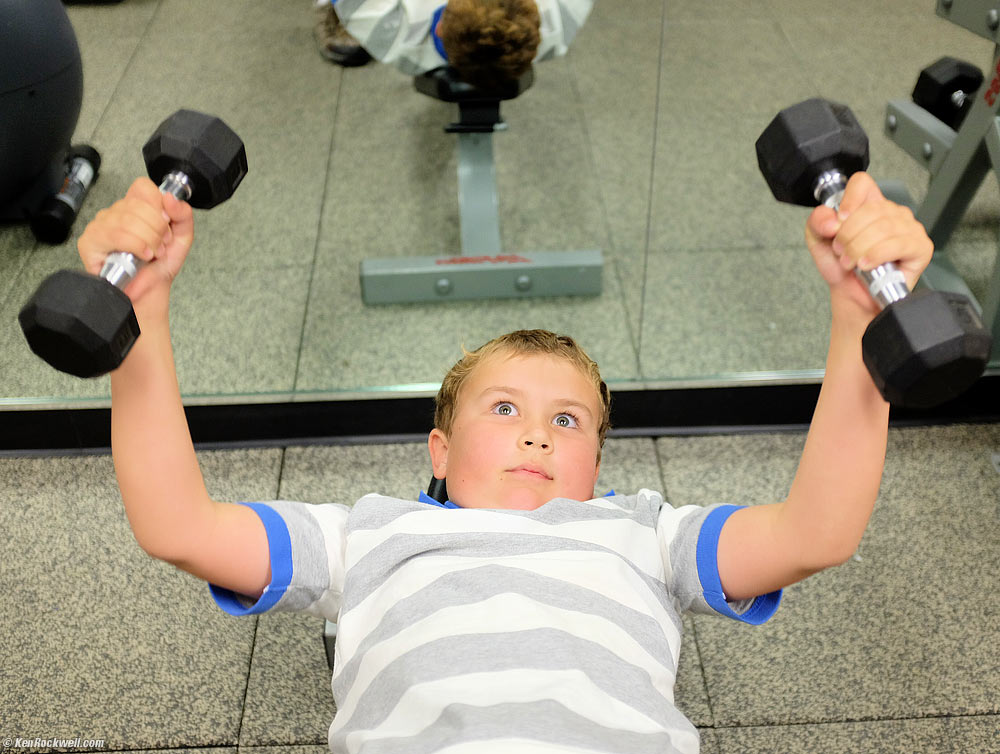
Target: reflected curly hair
pixel 490 42
pixel 521 343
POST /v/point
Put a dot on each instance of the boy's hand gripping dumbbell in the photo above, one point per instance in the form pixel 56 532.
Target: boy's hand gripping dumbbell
pixel 923 348
pixel 84 324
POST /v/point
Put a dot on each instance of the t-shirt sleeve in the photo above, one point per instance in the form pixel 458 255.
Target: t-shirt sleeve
pixel 560 22
pixel 395 31
pixel 689 543
pixel 306 544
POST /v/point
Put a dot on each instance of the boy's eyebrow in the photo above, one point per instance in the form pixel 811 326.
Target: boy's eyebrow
pixel 520 394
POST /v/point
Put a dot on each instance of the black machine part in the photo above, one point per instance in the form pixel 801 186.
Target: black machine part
pixel 945 89
pixel 52 222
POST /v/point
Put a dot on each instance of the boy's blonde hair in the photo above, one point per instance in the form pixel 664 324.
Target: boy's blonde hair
pixel 490 42
pixel 521 343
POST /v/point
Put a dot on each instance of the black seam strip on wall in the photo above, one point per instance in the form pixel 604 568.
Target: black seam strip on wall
pixel 634 413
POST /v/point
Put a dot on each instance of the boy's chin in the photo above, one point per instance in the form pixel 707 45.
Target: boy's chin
pixel 518 497
pixel 525 499
pixel 516 500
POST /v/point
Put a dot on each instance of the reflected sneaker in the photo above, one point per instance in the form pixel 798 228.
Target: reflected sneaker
pixel 333 41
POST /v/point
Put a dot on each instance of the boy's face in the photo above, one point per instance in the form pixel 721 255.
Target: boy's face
pixel 525 431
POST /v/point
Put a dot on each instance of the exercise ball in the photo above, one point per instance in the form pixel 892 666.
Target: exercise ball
pixel 41 89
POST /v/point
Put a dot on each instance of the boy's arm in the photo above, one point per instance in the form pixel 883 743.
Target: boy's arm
pixel 170 511
pixel 764 548
pixel 820 524
pixel 171 514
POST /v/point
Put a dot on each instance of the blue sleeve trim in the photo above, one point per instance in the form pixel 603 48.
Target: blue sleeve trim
pixel 762 608
pixel 280 546
pixel 438 44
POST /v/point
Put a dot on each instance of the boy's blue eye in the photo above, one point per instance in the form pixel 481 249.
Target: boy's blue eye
pixel 565 420
pixel 505 409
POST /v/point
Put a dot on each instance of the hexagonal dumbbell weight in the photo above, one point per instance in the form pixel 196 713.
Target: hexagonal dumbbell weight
pixel 923 348
pixel 84 324
pixel 945 89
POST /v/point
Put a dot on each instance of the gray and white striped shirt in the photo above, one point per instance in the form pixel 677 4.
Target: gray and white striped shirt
pixel 471 630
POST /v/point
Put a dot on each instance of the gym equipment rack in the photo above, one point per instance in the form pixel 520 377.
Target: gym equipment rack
pixel 957 161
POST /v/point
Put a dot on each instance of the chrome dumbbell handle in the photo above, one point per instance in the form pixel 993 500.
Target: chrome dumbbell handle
pixel 886 282
pixel 120 267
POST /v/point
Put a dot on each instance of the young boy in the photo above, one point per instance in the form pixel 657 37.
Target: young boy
pixel 488 42
pixel 525 615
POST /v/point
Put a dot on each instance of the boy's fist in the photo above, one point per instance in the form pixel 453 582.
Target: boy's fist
pixel 154 227
pixel 868 231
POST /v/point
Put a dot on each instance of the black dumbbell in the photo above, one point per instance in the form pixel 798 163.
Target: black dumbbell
pixel 52 222
pixel 923 348
pixel 945 89
pixel 84 324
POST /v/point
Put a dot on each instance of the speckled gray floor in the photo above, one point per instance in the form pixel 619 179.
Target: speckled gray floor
pixel 639 142
pixel 893 652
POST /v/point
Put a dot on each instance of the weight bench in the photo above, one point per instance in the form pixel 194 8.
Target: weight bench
pixel 482 270
pixel 957 161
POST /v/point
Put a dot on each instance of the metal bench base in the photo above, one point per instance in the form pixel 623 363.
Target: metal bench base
pixel 522 275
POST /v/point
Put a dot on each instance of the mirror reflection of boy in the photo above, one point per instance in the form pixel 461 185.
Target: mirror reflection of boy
pixel 524 614
pixel 487 41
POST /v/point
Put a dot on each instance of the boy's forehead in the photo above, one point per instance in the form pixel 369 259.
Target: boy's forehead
pixel 527 372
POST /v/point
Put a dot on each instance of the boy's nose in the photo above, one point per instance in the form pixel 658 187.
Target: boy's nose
pixel 536 438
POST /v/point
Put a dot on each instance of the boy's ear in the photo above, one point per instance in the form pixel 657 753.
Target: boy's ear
pixel 437 444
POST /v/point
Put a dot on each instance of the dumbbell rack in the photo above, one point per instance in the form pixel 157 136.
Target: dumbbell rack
pixel 957 161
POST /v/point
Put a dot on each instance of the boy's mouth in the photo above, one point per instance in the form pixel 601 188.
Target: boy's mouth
pixel 531 471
